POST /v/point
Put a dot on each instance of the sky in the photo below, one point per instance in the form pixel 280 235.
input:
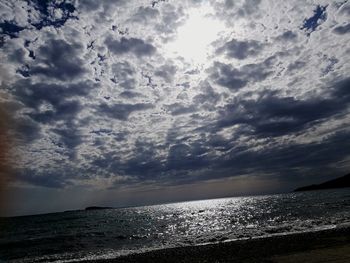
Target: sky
pixel 121 103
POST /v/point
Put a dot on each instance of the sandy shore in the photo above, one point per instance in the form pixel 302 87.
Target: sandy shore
pixel 323 246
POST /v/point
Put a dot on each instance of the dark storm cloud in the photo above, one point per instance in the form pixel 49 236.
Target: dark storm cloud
pixel 103 162
pixel 207 98
pixel 290 161
pixel 185 159
pixel 18 55
pixel 188 156
pixel 145 14
pixel 341 30
pixel 344 8
pixel 130 94
pixel 61 61
pixel 93 6
pixel 271 115
pixel 286 162
pixel 267 116
pixel 65 110
pixel 50 179
pixel 240 49
pixel 122 111
pixel 219 143
pixel 179 109
pixel 249 7
pixel 234 79
pixel 130 45
pixel 227 76
pixel 26 129
pixel 341 92
pixel 296 65
pixel 33 95
pixel 144 163
pixel 171 18
pixel 231 9
pixel 167 72
pixel 287 36
pixel 69 138
pixel 48 104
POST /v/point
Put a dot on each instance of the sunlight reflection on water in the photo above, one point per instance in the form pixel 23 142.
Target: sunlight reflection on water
pixel 128 230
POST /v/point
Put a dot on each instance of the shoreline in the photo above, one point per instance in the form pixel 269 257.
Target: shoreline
pixel 330 245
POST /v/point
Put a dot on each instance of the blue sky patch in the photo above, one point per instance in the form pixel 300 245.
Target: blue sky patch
pixel 313 22
pixel 10 29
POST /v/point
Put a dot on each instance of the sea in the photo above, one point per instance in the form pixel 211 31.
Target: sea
pixel 104 234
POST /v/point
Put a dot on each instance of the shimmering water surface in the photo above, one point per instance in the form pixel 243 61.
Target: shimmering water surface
pixel 76 235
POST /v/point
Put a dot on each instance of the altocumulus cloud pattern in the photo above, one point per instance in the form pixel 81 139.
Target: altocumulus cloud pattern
pixel 99 100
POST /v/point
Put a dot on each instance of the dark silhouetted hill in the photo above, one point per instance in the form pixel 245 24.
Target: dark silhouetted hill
pixel 340 182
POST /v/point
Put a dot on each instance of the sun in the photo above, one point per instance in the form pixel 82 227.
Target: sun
pixel 194 37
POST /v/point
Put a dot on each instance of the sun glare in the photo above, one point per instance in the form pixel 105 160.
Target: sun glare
pixel 195 36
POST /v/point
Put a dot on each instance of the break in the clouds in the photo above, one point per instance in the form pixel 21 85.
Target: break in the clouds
pixel 120 94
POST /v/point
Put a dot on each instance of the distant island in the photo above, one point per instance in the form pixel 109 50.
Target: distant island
pixel 340 182
pixel 98 207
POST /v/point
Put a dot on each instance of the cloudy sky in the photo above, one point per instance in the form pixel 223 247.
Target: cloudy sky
pixel 120 102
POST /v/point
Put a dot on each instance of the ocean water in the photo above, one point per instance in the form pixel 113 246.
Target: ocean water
pixel 96 234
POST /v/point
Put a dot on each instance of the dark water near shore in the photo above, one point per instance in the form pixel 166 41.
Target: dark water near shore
pixel 76 235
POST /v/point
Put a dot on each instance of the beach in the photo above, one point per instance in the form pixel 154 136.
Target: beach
pixel 321 246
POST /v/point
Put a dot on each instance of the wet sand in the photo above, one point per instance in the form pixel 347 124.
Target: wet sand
pixel 323 246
